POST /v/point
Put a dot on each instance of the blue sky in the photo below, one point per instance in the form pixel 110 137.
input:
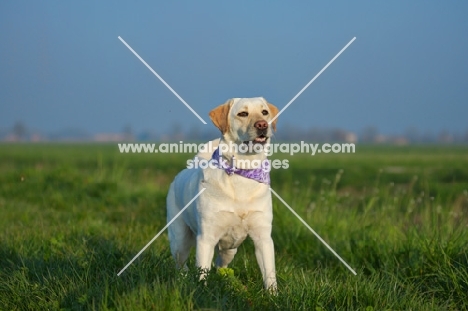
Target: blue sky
pixel 62 65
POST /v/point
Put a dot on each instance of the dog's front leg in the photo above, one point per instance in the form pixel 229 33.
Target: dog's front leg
pixel 204 254
pixel 265 253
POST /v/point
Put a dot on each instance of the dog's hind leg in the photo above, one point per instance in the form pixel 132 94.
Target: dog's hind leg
pixel 180 236
pixel 181 241
pixel 225 256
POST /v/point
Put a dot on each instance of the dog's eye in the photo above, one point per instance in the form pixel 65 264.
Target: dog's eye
pixel 265 112
pixel 243 114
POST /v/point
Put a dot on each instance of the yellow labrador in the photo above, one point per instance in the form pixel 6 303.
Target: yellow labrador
pixel 236 202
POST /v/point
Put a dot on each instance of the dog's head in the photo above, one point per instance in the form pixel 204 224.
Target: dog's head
pixel 245 120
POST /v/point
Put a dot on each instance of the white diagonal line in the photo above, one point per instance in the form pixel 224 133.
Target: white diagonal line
pixel 162 230
pixel 312 230
pixel 162 80
pixel 313 79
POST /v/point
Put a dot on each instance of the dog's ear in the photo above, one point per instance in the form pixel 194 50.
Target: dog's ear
pixel 274 111
pixel 220 116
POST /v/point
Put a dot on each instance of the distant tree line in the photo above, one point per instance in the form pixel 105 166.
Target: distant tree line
pixel 287 132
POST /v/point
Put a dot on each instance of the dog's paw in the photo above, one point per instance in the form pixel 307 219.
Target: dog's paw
pixel 273 290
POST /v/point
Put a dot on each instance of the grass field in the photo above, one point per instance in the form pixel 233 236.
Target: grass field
pixel 73 215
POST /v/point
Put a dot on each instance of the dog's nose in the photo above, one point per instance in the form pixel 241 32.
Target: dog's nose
pixel 261 125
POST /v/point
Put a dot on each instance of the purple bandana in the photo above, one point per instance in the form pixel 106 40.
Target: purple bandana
pixel 261 174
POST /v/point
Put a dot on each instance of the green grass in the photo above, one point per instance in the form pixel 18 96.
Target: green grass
pixel 73 215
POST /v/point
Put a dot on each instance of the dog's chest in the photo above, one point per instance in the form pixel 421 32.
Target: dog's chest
pixel 234 193
pixel 235 233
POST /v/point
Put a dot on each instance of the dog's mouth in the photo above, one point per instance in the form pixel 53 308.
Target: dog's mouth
pixel 260 139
